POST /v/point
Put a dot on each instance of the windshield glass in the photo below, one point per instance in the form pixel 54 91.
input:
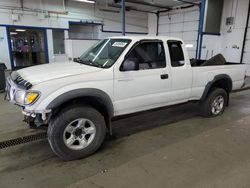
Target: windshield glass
pixel 104 53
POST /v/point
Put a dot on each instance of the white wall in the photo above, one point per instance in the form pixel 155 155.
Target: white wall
pixel 246 55
pixel 182 24
pixel 152 24
pixel 230 42
pixel 80 46
pixel 4 46
pixel 50 45
pixel 234 38
pixel 211 46
pixel 135 21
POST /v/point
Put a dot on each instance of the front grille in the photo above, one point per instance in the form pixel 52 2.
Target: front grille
pixel 7 90
pixel 19 81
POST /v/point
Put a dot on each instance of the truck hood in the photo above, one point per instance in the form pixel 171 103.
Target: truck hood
pixel 46 72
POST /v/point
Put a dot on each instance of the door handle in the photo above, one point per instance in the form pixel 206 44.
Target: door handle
pixel 164 76
pixel 125 80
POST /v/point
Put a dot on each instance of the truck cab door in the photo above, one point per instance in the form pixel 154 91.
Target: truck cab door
pixel 181 72
pixel 141 81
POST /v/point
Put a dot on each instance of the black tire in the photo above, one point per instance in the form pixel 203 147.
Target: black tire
pixel 206 105
pixel 62 120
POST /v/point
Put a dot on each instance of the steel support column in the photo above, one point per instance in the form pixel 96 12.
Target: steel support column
pixel 245 34
pixel 157 26
pixel 201 23
pixel 123 14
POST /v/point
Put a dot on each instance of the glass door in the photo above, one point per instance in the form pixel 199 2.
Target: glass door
pixel 27 46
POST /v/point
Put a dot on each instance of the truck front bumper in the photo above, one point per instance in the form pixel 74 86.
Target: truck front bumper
pixel 38 116
pixel 34 113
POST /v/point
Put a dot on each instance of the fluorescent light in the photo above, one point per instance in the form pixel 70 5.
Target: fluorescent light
pixel 21 30
pixel 86 1
pixel 13 33
pixel 189 45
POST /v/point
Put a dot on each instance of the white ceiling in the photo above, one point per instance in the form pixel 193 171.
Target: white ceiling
pixel 137 5
pixel 170 3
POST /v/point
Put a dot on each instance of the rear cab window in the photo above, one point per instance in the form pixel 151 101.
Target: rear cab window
pixel 176 53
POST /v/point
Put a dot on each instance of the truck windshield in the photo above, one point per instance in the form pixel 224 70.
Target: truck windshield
pixel 104 53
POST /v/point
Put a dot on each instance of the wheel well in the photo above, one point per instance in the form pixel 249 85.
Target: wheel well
pixel 224 83
pixel 94 102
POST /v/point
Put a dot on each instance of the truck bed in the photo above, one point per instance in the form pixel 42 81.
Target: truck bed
pixel 199 63
pixel 214 61
pixel 204 74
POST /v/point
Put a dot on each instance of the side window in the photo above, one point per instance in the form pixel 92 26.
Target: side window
pixel 176 53
pixel 147 55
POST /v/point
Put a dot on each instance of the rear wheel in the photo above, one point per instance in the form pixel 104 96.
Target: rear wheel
pixel 215 103
pixel 76 132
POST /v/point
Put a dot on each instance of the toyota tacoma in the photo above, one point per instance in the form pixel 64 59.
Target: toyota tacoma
pixel 78 99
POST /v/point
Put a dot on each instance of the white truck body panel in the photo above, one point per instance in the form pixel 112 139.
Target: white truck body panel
pixel 203 75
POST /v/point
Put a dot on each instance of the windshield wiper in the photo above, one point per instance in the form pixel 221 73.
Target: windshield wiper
pixel 77 60
pixel 85 62
pixel 95 64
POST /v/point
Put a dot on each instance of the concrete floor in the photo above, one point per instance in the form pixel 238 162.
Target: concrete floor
pixel 166 148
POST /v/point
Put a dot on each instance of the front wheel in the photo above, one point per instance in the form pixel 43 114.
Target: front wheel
pixel 215 103
pixel 77 132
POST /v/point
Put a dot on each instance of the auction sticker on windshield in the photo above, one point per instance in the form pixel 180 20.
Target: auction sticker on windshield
pixel 119 44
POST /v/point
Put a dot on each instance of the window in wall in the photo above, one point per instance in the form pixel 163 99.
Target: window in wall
pixel 27 47
pixel 176 53
pixel 214 9
pixel 148 55
pixel 85 31
pixel 58 41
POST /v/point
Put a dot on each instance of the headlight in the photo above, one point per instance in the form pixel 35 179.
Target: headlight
pixel 31 97
pixel 20 96
pixel 26 98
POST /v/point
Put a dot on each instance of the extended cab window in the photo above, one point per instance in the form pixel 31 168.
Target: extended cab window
pixel 146 55
pixel 176 53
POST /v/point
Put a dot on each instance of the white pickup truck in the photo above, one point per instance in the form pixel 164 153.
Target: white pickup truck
pixel 77 100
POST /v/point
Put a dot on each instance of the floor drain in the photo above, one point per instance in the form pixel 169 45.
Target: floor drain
pixel 22 140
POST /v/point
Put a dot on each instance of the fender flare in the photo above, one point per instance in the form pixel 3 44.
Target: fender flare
pixel 102 96
pixel 211 83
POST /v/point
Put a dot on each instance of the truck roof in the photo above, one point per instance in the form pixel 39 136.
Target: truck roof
pixel 146 37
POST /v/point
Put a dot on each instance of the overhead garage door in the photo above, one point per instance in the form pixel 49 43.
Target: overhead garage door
pixel 182 24
pixel 246 54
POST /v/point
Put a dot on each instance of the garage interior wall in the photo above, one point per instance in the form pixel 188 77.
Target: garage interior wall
pixel 246 54
pixel 230 40
pixel 182 24
pixel 53 14
pixel 177 23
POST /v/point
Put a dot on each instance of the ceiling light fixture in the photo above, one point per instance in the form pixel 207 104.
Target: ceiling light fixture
pixel 86 1
pixel 189 46
pixel 21 30
pixel 186 1
pixel 13 33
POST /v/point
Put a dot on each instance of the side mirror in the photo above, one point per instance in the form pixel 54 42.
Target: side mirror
pixel 129 65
